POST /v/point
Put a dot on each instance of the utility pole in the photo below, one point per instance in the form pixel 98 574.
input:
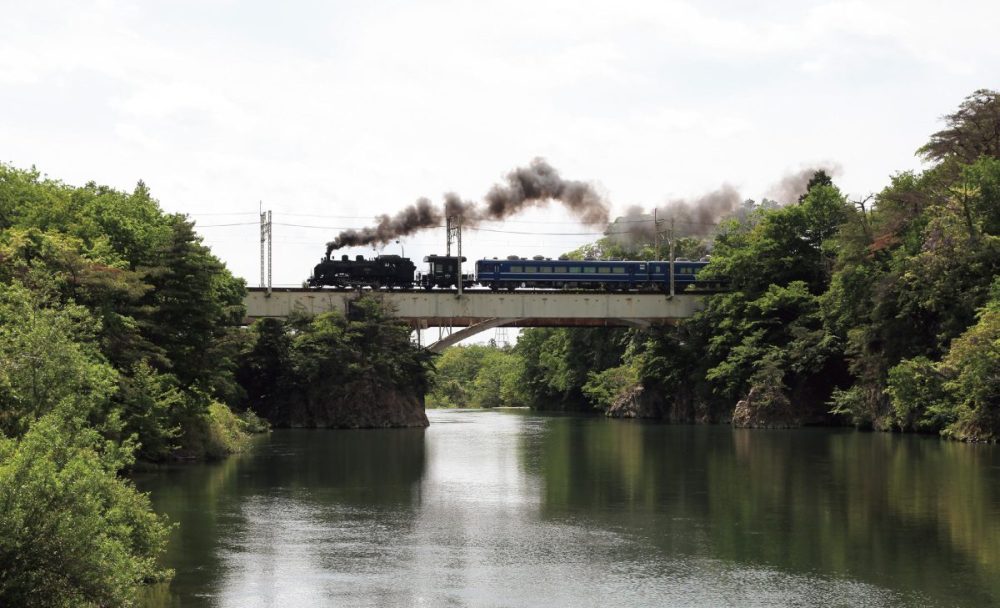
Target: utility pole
pixel 453 231
pixel 657 234
pixel 670 238
pixel 265 241
pixel 671 257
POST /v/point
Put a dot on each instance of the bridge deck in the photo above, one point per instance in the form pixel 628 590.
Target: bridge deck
pixel 532 308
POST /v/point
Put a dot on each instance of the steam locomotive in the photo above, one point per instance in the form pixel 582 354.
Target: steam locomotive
pixel 388 271
pixel 393 271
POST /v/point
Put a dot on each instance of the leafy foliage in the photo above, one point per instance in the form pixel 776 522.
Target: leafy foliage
pixel 556 362
pixel 972 131
pixel 603 388
pixel 305 361
pixel 477 376
pixel 48 361
pixel 72 533
pixel 162 312
pixel 118 338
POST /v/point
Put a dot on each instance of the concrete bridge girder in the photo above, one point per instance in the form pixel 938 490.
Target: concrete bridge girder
pixel 523 309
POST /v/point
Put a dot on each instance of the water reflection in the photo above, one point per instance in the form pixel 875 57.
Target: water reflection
pixel 914 514
pixel 516 509
pixel 266 527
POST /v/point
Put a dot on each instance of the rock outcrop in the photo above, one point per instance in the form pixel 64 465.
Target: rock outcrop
pixel 358 405
pixel 765 409
pixel 640 402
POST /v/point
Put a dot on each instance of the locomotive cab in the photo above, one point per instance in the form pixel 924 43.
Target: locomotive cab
pixel 442 271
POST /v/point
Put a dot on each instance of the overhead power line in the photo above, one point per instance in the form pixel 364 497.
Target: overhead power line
pixel 206 213
pixel 476 228
pixel 225 225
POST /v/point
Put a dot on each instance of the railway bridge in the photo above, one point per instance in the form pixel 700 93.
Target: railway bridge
pixel 479 310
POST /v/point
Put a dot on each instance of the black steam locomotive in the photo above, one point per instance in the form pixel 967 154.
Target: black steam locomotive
pixel 389 271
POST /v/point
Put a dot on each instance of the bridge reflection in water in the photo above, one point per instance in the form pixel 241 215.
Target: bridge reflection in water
pixel 481 310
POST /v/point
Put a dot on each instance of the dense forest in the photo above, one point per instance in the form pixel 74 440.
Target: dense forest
pixel 121 343
pixel 881 312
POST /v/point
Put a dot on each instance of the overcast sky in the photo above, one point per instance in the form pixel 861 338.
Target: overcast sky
pixel 348 109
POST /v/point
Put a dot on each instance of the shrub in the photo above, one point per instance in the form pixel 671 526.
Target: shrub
pixel 72 533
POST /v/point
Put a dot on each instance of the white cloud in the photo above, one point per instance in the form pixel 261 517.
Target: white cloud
pixel 360 109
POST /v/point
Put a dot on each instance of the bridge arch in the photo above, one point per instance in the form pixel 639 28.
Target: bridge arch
pixel 471 330
pixel 466 332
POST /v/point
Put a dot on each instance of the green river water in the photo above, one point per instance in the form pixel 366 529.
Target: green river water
pixel 513 508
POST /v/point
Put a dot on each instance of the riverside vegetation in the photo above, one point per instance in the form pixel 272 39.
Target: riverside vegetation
pixel 120 342
pixel 881 312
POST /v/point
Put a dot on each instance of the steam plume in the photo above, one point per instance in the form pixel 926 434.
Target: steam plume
pixel 524 187
pixel 536 185
pixel 793 185
pixel 421 214
pixel 696 217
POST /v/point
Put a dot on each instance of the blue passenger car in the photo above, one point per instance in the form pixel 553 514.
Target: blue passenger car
pixel 588 274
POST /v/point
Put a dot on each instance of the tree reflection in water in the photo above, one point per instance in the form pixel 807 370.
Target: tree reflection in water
pixel 901 512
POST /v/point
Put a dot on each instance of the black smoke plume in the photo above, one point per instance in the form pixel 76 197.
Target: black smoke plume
pixel 536 185
pixel 695 217
pixel 793 186
pixel 524 187
pixel 418 216
pixel 699 217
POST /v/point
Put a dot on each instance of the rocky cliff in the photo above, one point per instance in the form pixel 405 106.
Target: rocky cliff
pixel 358 405
pixel 640 402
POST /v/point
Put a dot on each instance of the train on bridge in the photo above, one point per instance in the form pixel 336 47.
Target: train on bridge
pixel 397 272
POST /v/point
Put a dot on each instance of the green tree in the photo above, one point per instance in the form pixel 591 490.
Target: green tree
pixel 971 131
pixel 197 307
pixel 603 388
pixel 148 402
pixel 72 533
pixel 48 360
pixel 556 362
pixel 153 294
pixel 973 368
pixel 497 381
pixel 919 400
